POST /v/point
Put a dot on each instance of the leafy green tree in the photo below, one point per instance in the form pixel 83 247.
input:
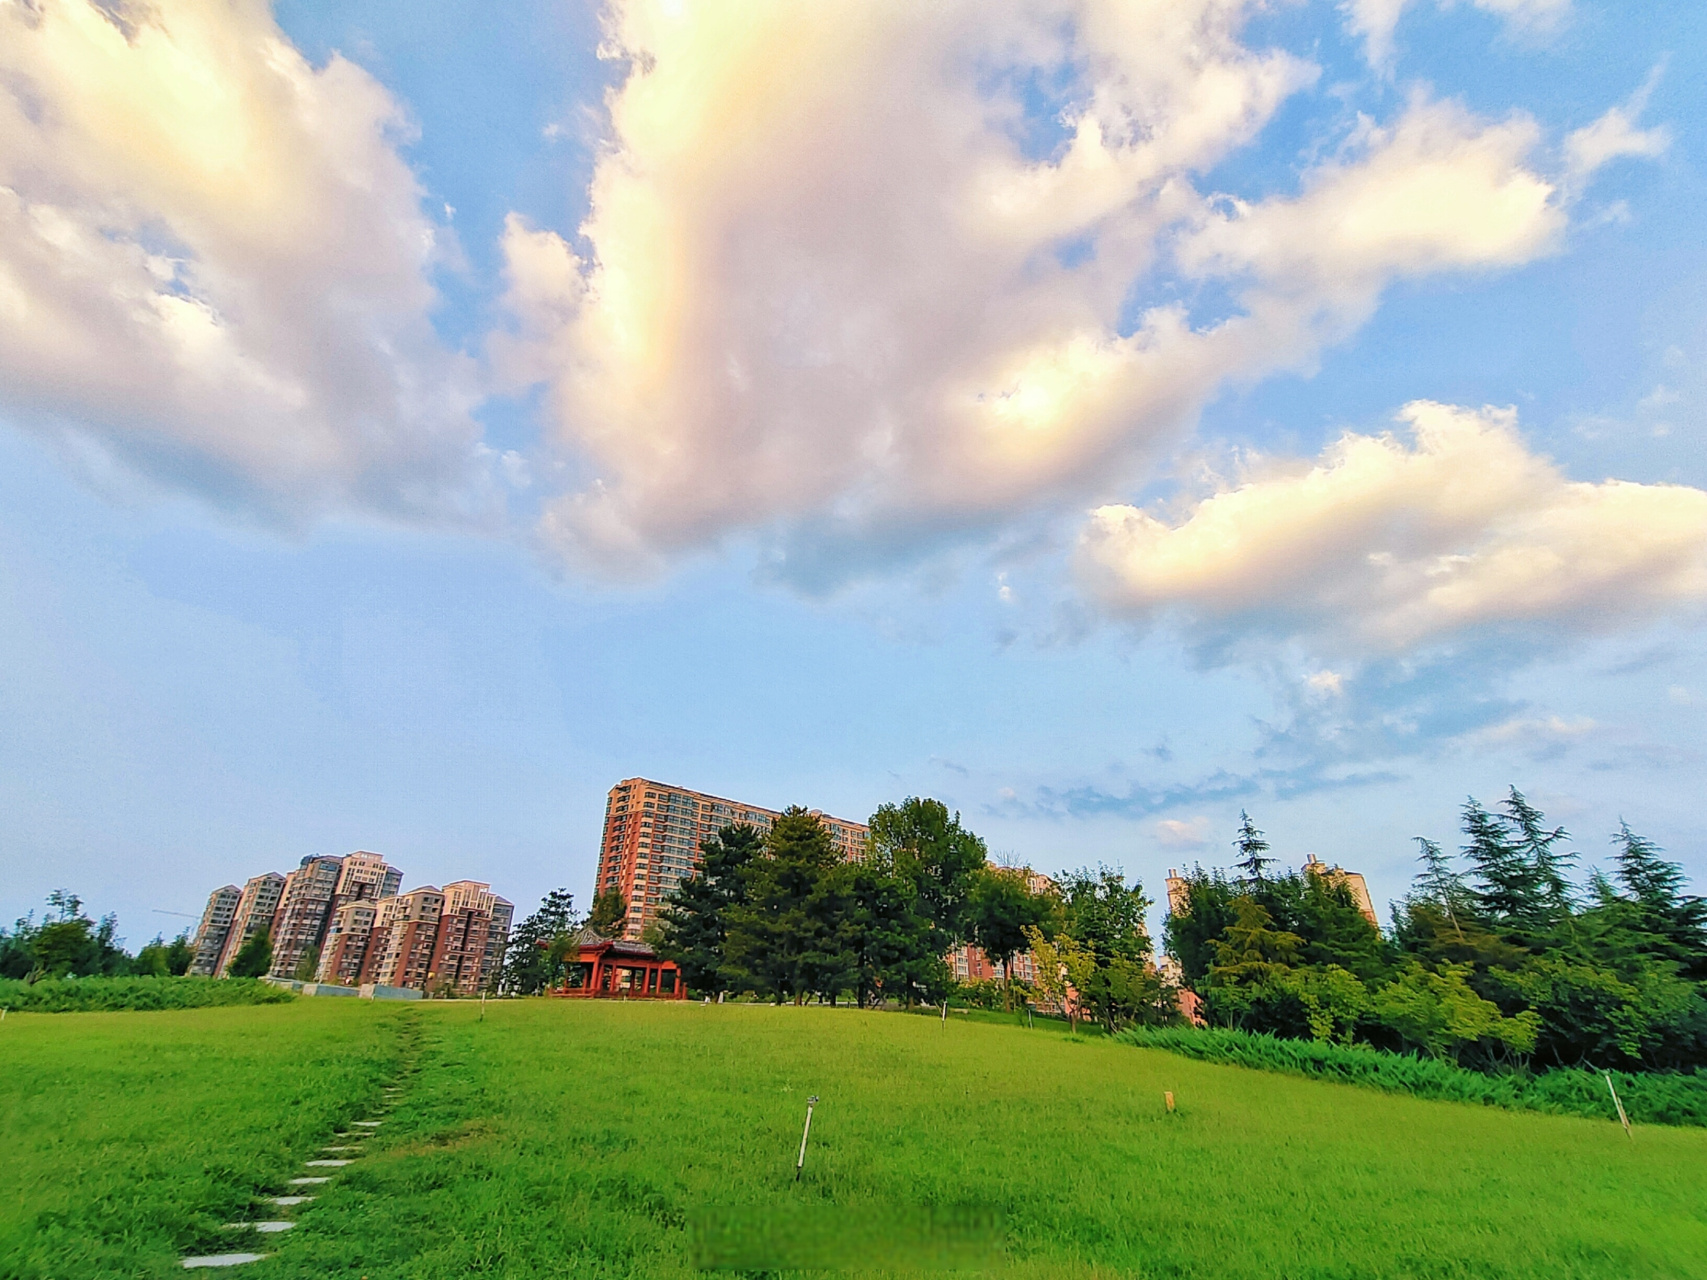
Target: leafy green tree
pixel 534 958
pixel 923 842
pixel 695 917
pixel 889 942
pixel 1248 985
pixel 17 948
pixel 307 964
pixel 1191 934
pixel 151 960
pixel 1251 847
pixel 1438 1013
pixel 1335 932
pixel 779 937
pixel 255 957
pixel 1103 913
pixel 180 955
pixel 609 914
pixel 1000 909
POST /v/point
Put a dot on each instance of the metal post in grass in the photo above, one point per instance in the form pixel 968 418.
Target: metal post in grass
pixel 945 1011
pixel 483 1006
pixel 1622 1118
pixel 800 1164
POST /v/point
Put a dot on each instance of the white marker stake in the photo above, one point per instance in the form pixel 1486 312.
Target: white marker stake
pixel 945 1011
pixel 1622 1118
pixel 804 1133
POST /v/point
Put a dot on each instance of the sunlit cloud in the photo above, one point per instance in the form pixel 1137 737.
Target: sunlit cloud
pixel 834 292
pixel 1381 544
pixel 214 266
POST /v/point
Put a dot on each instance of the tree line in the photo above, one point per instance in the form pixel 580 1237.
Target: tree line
pixel 1495 958
pixel 778 914
pixel 66 943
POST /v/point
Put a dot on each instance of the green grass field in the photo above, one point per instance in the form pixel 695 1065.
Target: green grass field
pixel 558 1139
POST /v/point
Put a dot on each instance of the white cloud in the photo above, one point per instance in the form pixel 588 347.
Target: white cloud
pixel 1379 545
pixel 1375 22
pixel 1193 833
pixel 214 266
pixel 831 295
pixel 1326 682
pixel 1534 731
pixel 1615 135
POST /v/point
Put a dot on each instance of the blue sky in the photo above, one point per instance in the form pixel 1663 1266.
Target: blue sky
pixel 408 435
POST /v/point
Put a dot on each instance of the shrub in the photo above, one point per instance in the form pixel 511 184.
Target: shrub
pixel 1651 1097
pixel 87 995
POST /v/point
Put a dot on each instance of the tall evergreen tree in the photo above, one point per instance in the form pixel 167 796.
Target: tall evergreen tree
pixel 695 917
pixel 1508 890
pixel 1251 847
pixel 1662 910
pixel 778 939
pixel 533 959
pixel 609 913
pixel 1191 933
pixel 1439 882
pixel 888 940
pixel 1540 847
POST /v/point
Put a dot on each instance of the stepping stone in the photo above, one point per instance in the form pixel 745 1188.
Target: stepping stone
pixel 340 1148
pixel 328 1164
pixel 368 1124
pixel 285 1202
pixel 308 1182
pixel 222 1260
pixel 267 1228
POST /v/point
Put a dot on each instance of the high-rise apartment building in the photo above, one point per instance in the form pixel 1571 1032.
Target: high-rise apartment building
pixel 652 835
pixel 366 877
pixel 459 954
pixel 462 895
pixel 255 910
pixel 346 946
pixel 306 902
pixel 214 929
pixel 405 932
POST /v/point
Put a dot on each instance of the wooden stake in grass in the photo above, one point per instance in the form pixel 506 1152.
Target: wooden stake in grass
pixel 1622 1118
pixel 1168 1100
pixel 800 1164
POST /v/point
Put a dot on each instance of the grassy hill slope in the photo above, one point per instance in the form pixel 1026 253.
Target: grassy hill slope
pixel 603 1139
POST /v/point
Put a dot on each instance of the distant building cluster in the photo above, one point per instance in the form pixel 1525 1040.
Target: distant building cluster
pixel 652 836
pixel 348 915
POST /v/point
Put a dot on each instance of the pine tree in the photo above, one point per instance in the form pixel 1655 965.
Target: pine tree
pixel 1251 847
pixel 528 964
pixel 1536 844
pixel 778 940
pixel 1678 921
pixel 609 913
pixel 1507 889
pixel 695 917
pixel 1440 882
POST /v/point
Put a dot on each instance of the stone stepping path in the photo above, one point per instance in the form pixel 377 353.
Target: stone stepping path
pixel 278 1225
pixel 221 1260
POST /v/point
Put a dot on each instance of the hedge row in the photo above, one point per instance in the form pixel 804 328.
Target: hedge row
pixel 1649 1097
pixel 85 995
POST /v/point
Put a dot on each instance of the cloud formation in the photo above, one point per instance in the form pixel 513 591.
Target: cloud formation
pixel 214 267
pixel 1380 544
pixel 1376 21
pixel 841 285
